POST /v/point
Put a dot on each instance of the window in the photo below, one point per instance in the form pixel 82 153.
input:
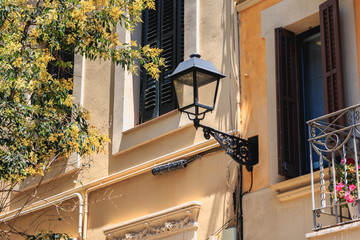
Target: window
pixel 309 84
pixel 162 28
pixel 60 72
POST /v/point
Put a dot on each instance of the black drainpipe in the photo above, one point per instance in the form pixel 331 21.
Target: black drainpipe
pixel 238 201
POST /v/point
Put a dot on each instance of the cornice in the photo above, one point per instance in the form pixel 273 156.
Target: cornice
pixel 245 4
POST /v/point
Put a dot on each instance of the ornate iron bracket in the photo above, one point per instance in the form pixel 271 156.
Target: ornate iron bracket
pixel 245 152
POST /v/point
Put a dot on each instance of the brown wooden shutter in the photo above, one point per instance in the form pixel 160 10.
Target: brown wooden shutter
pixel 163 28
pixel 287 103
pixel 331 56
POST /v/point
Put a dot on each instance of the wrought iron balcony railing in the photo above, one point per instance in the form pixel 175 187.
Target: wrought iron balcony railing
pixel 334 152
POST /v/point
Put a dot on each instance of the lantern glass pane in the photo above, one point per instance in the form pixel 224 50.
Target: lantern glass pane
pixel 206 89
pixel 184 88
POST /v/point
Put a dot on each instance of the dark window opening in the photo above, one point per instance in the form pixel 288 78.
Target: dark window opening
pixel 162 28
pixel 311 88
pixel 62 71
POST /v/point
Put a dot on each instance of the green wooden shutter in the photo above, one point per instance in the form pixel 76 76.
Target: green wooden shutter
pixel 287 103
pixel 331 56
pixel 163 28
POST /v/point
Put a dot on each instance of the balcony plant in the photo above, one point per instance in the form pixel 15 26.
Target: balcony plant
pixel 346 181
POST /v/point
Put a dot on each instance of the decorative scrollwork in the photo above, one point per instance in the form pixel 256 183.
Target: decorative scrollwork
pixel 357 115
pixel 349 118
pixel 319 225
pixel 243 151
pixel 313 131
pixel 206 134
pixel 332 141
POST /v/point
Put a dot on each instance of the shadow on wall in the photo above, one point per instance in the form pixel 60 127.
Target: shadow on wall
pixel 63 217
pixel 227 107
pixel 62 176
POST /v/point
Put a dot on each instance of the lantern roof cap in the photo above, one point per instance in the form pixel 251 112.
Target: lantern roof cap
pixel 195 62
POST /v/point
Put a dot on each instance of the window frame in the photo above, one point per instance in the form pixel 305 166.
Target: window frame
pixel 157 97
pixel 291 158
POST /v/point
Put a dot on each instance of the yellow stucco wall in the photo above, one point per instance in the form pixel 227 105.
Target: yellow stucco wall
pixel 265 206
pixel 254 106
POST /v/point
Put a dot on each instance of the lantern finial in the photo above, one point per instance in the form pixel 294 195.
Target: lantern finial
pixel 195 55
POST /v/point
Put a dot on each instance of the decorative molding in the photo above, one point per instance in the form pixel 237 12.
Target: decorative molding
pixel 157 225
pixel 150 231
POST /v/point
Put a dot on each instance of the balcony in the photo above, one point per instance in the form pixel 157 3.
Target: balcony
pixel 334 152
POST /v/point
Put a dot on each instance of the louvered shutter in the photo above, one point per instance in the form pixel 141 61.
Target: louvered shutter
pixel 163 28
pixel 172 44
pixel 331 56
pixel 149 85
pixel 287 103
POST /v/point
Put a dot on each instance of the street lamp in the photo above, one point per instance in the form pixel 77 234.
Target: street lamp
pixel 196 83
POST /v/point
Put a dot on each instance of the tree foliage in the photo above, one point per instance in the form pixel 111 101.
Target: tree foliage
pixel 38 120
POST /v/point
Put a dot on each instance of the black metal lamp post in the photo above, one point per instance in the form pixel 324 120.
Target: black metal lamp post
pixel 196 83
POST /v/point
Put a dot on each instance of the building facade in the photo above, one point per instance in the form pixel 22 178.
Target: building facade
pixel 161 179
pixel 299 60
pixel 116 195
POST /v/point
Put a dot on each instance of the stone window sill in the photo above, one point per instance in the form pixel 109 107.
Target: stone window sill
pixel 335 231
pixel 150 131
pixel 296 187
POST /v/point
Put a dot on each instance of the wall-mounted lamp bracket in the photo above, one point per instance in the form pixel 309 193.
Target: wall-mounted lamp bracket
pixel 196 84
pixel 245 152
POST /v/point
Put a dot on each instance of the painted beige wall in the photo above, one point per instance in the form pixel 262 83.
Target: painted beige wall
pixel 203 180
pixel 268 218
